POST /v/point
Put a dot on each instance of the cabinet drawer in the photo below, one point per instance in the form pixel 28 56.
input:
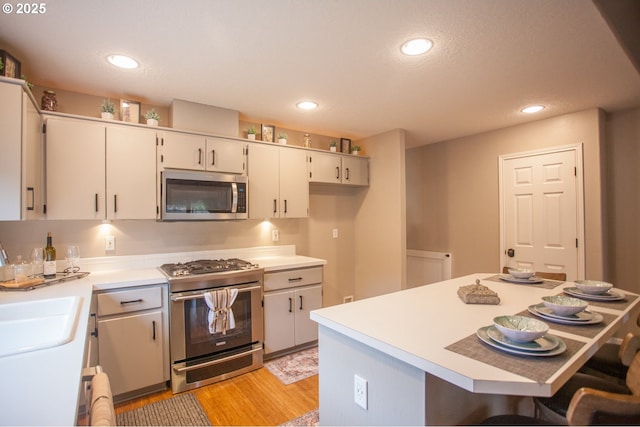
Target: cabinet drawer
pixel 292 278
pixel 129 300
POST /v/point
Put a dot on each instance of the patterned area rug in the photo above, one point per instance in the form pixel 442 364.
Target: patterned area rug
pixel 309 419
pixel 295 366
pixel 181 410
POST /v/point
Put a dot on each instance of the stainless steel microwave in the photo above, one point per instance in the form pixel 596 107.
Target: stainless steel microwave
pixel 202 196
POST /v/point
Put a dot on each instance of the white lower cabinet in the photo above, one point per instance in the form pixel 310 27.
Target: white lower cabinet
pixel 132 338
pixel 286 309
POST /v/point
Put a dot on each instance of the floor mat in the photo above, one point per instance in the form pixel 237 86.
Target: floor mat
pixel 309 419
pixel 181 410
pixel 295 366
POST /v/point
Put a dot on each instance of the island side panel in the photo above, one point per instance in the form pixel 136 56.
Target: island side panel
pixel 396 390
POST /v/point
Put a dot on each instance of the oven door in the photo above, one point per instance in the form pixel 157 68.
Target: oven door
pixel 199 357
pixel 190 336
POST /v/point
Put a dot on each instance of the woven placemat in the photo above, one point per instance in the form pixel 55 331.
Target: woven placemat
pixel 546 283
pixel 538 369
pixel 588 331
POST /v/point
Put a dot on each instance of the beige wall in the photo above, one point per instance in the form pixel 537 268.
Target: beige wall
pixel 452 190
pixel 380 240
pixel 623 198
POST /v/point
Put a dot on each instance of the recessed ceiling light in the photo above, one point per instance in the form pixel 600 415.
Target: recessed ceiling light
pixel 307 105
pixel 532 109
pixel 122 61
pixel 416 47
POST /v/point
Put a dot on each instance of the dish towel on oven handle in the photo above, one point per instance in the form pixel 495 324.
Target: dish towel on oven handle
pixel 220 317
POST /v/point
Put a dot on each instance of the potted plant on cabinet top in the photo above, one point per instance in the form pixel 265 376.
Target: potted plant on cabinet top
pixel 152 117
pixel 333 145
pixel 251 133
pixel 282 138
pixel 355 150
pixel 108 109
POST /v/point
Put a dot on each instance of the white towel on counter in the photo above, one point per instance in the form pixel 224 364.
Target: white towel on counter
pixel 220 317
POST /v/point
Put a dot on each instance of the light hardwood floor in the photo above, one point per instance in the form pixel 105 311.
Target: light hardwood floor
pixel 257 398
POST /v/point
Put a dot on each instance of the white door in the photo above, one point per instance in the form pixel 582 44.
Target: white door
pixel 279 320
pixel 307 299
pixel 183 151
pixel 131 195
pixel 264 181
pixel 294 184
pixel 225 156
pixel 541 216
pixel 132 370
pixel 75 169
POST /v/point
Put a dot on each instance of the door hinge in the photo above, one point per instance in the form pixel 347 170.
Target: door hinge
pixel 44 128
pixel 575 171
pixel 576 243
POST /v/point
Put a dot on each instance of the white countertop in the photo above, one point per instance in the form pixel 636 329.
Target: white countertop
pixel 415 326
pixel 42 387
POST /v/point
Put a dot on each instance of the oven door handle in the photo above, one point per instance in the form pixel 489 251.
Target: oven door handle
pixel 216 362
pixel 201 294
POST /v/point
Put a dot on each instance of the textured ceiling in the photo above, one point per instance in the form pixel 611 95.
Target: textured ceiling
pixel 491 57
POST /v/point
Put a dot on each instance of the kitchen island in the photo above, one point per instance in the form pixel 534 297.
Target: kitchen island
pixel 423 365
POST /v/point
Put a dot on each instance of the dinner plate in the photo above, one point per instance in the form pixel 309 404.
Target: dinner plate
pixel 610 295
pixel 530 281
pixel 545 343
pixel 484 337
pixel 584 317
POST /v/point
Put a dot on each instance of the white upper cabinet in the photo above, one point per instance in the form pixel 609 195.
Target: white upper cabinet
pixel 21 162
pixel 197 152
pixel 95 171
pixel 75 159
pixel 338 169
pixel 325 168
pixel 355 170
pixel 278 184
pixel 131 173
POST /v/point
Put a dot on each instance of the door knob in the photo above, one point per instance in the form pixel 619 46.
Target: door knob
pixel 511 252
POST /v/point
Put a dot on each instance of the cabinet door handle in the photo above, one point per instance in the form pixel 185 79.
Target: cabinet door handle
pixel 199 156
pixel 153 325
pixel 300 302
pixel 96 199
pixel 115 203
pixel 33 203
pixel 213 157
pixel 275 205
pixel 290 305
pixel 337 172
pixel 347 177
pixel 133 301
pixel 285 205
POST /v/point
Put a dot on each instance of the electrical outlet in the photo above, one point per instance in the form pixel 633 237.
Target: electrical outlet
pixel 275 235
pixel 335 233
pixel 110 243
pixel 348 298
pixel 360 391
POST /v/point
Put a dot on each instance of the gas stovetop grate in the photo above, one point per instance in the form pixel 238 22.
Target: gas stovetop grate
pixel 206 266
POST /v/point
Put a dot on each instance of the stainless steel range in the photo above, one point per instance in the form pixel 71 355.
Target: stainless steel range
pixel 216 323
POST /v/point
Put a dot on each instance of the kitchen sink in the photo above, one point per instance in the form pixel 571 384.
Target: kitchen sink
pixel 36 325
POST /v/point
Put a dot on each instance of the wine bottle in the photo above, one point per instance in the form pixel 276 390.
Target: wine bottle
pixel 49 259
